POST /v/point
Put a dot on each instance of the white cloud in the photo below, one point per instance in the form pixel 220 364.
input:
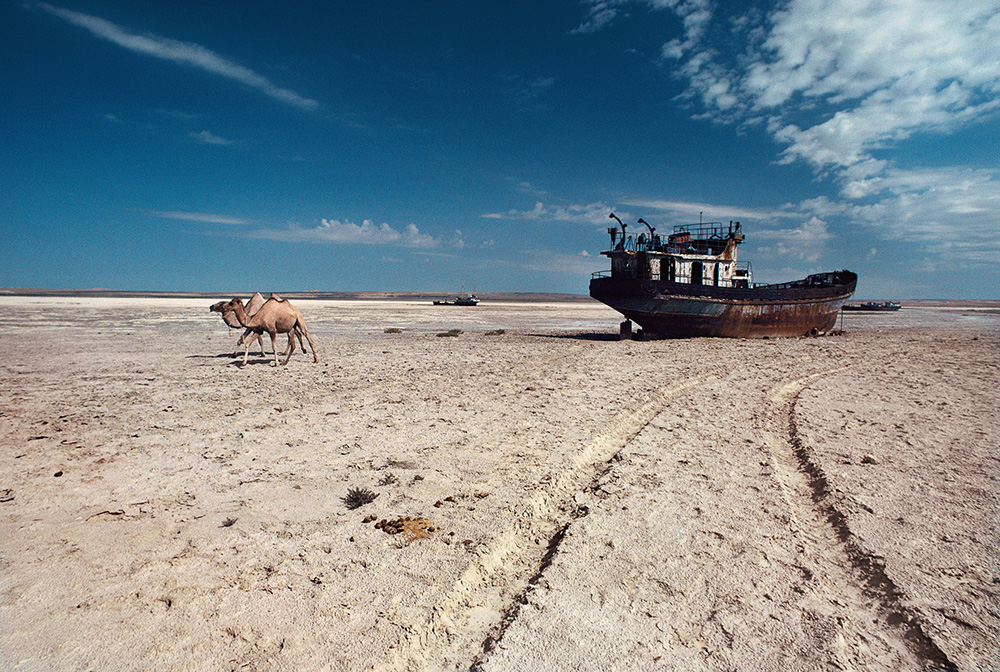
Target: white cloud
pixel 210 138
pixel 839 84
pixel 602 14
pixel 184 53
pixel 199 217
pixel 591 213
pixel 528 94
pixel 806 241
pixel 690 212
pixel 837 80
pixel 413 238
pixel 696 14
pixel 546 261
pixel 366 233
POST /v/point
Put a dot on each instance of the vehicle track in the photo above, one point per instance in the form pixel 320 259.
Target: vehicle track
pixel 473 613
pixel 874 624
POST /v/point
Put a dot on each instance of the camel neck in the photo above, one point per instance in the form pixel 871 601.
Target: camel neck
pixel 241 314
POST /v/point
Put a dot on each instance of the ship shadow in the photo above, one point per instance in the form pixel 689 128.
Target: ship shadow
pixel 583 336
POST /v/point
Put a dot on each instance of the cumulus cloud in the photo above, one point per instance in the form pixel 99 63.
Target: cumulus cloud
pixel 366 233
pixel 183 53
pixel 806 241
pixel 835 81
pixel 839 84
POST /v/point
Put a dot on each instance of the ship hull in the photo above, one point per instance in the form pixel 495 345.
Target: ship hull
pixel 680 310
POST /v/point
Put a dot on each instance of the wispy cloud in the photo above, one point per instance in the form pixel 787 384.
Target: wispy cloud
pixel 366 233
pixel 689 212
pixel 210 138
pixel 837 81
pixel 199 217
pixel 806 241
pixel 546 261
pixel 590 213
pixel 601 15
pixel 183 53
pixel 527 93
pixel 839 84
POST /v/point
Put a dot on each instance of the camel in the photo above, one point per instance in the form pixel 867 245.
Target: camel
pixel 253 305
pixel 276 316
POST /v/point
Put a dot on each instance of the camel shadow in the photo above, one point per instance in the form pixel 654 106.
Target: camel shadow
pixel 221 355
pixel 252 361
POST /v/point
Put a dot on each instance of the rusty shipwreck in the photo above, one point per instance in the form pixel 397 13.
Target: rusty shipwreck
pixel 690 283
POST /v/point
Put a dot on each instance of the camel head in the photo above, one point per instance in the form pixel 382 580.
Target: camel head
pixel 218 307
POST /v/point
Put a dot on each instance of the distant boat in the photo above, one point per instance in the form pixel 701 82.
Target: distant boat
pixel 871 306
pixel 690 284
pixel 462 300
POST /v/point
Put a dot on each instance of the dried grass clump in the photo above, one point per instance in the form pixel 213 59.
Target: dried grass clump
pixel 413 528
pixel 393 330
pixel 450 333
pixel 357 497
pixel 495 332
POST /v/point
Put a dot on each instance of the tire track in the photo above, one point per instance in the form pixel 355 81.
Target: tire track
pixel 838 567
pixel 471 617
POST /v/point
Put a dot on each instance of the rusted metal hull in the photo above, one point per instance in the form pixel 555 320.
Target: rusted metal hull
pixel 680 310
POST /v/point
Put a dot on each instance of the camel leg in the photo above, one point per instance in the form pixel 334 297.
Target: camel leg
pixel 243 339
pixel 305 331
pixel 291 346
pixel 291 336
pixel 246 353
pixel 274 347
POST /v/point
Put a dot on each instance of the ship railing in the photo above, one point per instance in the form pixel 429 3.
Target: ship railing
pixel 708 230
pixel 699 235
pixel 600 274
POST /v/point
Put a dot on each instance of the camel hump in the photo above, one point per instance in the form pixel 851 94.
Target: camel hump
pixel 275 297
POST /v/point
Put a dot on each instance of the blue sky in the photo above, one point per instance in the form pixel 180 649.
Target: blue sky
pixel 417 146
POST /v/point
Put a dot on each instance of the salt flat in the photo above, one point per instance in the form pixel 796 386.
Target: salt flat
pixel 703 504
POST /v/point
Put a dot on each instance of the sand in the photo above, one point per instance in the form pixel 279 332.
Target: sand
pixel 586 504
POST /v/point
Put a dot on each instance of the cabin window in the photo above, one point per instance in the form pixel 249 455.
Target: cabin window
pixel 697 273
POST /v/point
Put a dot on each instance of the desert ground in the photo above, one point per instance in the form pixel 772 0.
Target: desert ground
pixel 547 497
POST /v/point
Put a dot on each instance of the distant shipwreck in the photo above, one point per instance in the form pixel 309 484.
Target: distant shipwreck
pixel 691 284
pixel 873 307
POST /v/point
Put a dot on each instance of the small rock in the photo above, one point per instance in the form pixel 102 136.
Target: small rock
pixel 869 459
